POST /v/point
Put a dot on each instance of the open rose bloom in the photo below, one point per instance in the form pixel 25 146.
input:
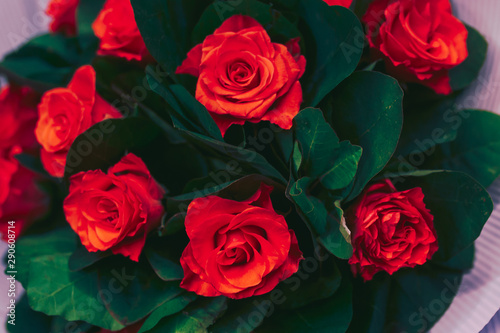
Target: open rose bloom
pixel 237 249
pixel 118 33
pixel 390 230
pixel 420 39
pixel 243 76
pixel 65 113
pixel 115 210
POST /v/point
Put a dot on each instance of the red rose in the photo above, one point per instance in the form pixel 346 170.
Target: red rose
pixel 20 198
pixel 65 113
pixel 63 14
pixel 237 249
pixel 18 117
pixel 420 40
pixel 345 3
pixel 390 230
pixel 115 210
pixel 117 30
pixel 243 76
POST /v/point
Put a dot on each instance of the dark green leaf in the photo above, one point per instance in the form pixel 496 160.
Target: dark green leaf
pixel 82 258
pixel 317 140
pixel 464 74
pixel 166 27
pixel 59 241
pixel 332 315
pixel 86 13
pixel 323 225
pixel 164 265
pixel 105 143
pixel 140 293
pixel 56 291
pixel 475 151
pixel 345 167
pixel 170 226
pixel 38 322
pixel 45 62
pixel 366 109
pixel 167 309
pixel 277 26
pixel 195 318
pixel 334 42
pixel 188 114
pixel 237 158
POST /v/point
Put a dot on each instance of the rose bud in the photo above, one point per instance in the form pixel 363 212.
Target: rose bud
pixel 237 249
pixel 63 14
pixel 21 200
pixel 118 33
pixel 115 210
pixel 243 76
pixel 65 113
pixel 390 230
pixel 345 3
pixel 420 40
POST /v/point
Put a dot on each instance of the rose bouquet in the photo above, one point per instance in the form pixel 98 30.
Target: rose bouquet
pixel 244 165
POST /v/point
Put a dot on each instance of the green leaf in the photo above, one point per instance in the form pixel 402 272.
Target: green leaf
pixel 317 285
pixel 345 167
pixel 247 161
pixel 195 318
pixel 166 27
pixel 167 309
pixel 139 295
pixel 317 140
pixel 322 154
pixel 333 47
pixel 278 27
pixel 38 322
pixel 55 291
pixel 58 241
pixel 45 62
pixel 105 143
pixel 172 225
pixel 411 300
pixel 86 13
pixel 332 315
pixel 459 204
pixel 323 225
pixel 164 265
pixel 464 74
pixel 187 113
pixel 82 258
pixel 475 151
pixel 296 158
pixel 366 109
